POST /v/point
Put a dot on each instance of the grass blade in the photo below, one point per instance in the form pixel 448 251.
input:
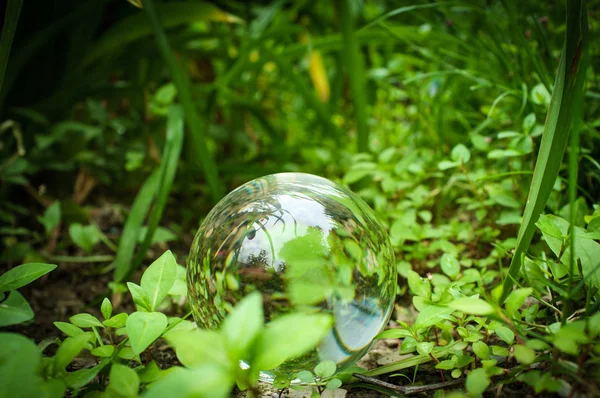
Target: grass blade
pixel 307 94
pixel 183 83
pixel 356 74
pixel 133 226
pixel 13 11
pixel 168 167
pixel 565 108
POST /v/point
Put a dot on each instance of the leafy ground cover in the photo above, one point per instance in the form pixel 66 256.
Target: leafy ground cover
pixel 450 119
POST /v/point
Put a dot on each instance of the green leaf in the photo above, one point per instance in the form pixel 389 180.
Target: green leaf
pixel 106 308
pixel 563 115
pixel 477 382
pixel 424 348
pixel 333 384
pixel 431 315
pixel 505 334
pixel 449 265
pixel 143 328
pixel 524 355
pixel 472 305
pixel 23 275
pixel 199 347
pixel 117 321
pixel 396 333
pixel 481 350
pixel 85 320
pixel 68 329
pixel 15 309
pixel 85 237
pixel 516 299
pixel 20 361
pixel 104 350
pixel 68 350
pixel 51 217
pixel 243 324
pixel 446 164
pixel 123 381
pixel 305 376
pixel 325 369
pixel 158 279
pixel 82 377
pixel 139 295
pixel 418 286
pixel 288 337
pixel 204 381
pixel 460 154
pixel 570 336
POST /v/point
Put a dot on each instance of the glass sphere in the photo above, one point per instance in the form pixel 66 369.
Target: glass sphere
pixel 306 244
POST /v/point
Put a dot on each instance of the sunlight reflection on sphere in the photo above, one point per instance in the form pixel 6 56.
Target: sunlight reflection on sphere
pixel 305 243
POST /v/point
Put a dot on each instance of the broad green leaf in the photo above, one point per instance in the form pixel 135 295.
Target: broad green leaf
pixel 243 324
pixel 123 380
pixel 325 369
pixel 424 348
pixel 104 350
pixel 472 305
pixel 524 355
pixel 564 114
pixel 305 376
pixel 68 350
pixel 158 279
pixel 23 275
pixel 477 382
pixel 143 328
pixel 51 217
pixel 150 373
pixel 418 286
pixel 140 298
pixel 199 347
pixel 460 154
pixel 20 362
pixel 449 265
pixel 396 333
pixel 69 329
pixel 431 315
pixel 288 337
pixel 516 299
pixel 481 350
pixel 179 288
pixel 85 237
pixel 206 381
pixel 106 308
pixel 15 309
pixel 505 334
pixel 333 384
pixel 570 336
pixel 83 377
pixel 85 320
pixel 116 321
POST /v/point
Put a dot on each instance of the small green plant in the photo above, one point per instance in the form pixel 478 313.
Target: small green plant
pixel 119 346
pixel 14 308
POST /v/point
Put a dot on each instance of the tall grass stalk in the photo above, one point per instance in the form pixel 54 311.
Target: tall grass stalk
pixel 13 11
pixel 356 73
pixel 562 117
pixel 183 83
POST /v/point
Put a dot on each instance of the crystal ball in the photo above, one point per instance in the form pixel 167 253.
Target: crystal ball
pixel 306 244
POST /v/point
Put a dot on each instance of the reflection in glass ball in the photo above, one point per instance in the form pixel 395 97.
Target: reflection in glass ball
pixel 307 244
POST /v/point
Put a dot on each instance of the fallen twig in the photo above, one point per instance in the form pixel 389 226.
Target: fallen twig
pixel 407 390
